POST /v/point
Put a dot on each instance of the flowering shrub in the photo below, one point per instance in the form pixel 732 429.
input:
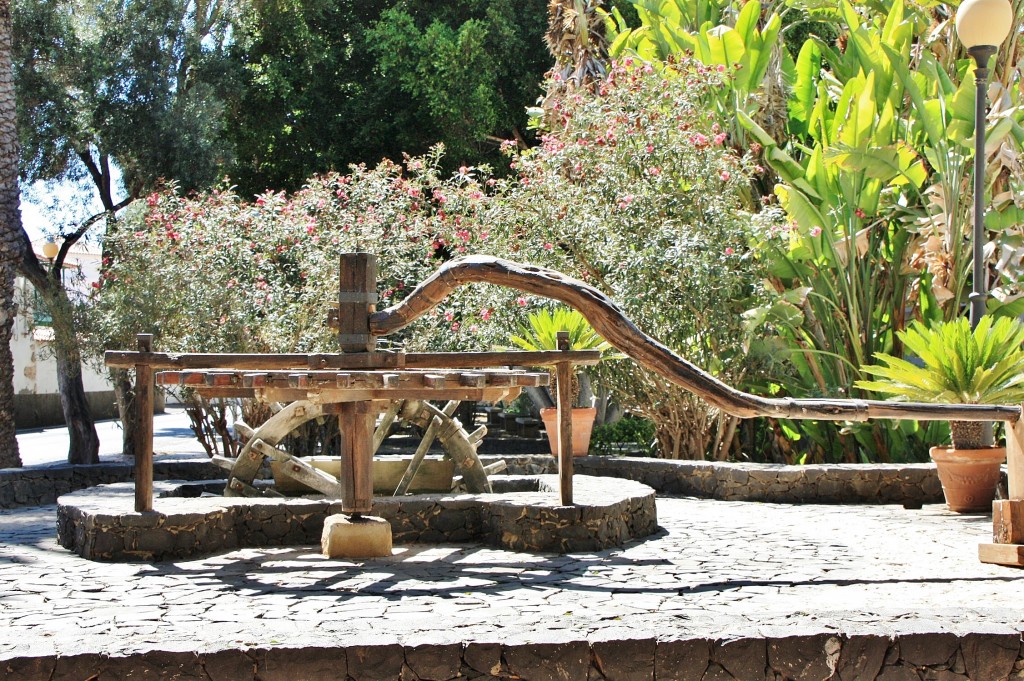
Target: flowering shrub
pixel 637 192
pixel 216 273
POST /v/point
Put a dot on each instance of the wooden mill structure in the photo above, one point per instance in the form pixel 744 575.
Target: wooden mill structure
pixel 357 383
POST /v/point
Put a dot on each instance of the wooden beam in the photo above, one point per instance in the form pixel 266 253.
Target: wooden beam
pixel 468 360
pixel 612 324
pixel 124 359
pixel 144 428
pixel 357 299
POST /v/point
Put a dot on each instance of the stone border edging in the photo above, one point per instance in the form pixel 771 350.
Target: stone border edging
pixel 42 485
pixel 908 484
pixel 98 524
pixel 800 657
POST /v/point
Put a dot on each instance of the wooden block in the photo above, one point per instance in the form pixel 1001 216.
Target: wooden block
pixel 1002 554
pixel 363 537
pixel 472 380
pixel 1008 522
pixel 298 380
pixel 254 380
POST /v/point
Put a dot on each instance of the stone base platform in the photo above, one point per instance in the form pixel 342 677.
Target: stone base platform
pixel 188 521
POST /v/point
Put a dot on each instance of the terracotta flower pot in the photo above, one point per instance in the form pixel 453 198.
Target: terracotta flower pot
pixel 968 476
pixel 582 425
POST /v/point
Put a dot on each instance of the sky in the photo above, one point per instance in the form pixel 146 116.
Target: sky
pixel 50 208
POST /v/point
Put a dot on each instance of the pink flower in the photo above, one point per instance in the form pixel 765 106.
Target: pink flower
pixel 520 301
pixel 815 231
pixel 725 176
pixel 448 316
pixel 548 246
pixel 728 250
pixel 720 138
pixel 699 140
pixel 455 326
pixel 860 213
pixel 485 314
pixel 654 171
pixel 474 328
pixel 650 149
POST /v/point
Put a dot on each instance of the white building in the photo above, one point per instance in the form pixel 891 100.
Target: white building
pixel 36 401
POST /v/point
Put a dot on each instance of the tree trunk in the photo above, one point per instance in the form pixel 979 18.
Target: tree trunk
pixel 84 442
pixel 10 230
pixel 124 393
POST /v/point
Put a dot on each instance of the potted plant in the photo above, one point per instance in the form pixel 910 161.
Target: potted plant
pixel 958 366
pixel 540 334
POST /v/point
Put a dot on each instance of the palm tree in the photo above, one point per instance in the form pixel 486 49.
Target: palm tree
pixel 10 240
pixel 576 39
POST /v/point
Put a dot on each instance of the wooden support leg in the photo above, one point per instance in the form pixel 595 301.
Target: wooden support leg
pixel 144 428
pixel 563 376
pixel 356 421
pixel 1008 515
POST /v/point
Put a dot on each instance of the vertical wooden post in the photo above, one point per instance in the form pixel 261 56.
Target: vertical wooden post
pixel 563 377
pixel 357 299
pixel 1015 459
pixel 144 428
pixel 356 421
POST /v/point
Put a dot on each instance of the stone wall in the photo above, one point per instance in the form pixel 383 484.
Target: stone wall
pixel 98 524
pixel 907 484
pixel 801 657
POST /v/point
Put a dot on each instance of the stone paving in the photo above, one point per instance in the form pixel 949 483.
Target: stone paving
pixel 716 570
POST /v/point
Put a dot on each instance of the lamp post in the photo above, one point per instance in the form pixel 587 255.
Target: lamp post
pixel 981 26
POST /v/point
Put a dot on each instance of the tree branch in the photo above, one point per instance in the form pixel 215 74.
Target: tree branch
pixel 71 239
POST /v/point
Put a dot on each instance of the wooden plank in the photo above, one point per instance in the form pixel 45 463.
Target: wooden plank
pixel 468 360
pixel 222 462
pixel 356 421
pixel 272 431
pixel 1008 521
pixel 126 359
pixel 357 299
pixel 144 428
pixel 299 470
pixel 1002 554
pixel 1015 459
pixel 563 401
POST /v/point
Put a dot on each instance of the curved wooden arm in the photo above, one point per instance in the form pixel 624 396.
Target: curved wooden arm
pixel 609 321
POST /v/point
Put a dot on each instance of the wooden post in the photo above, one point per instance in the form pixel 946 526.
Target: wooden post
pixel 1015 459
pixel 563 377
pixel 1008 514
pixel 357 300
pixel 356 420
pixel 144 428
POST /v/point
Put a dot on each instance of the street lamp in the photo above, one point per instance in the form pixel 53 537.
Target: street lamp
pixel 50 249
pixel 981 26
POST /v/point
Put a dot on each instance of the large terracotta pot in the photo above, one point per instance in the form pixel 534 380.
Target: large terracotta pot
pixel 969 476
pixel 582 425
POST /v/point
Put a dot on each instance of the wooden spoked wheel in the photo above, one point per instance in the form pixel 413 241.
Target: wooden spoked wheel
pixel 437 424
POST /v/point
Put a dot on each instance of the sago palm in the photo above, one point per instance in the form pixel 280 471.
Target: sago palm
pixel 957 366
